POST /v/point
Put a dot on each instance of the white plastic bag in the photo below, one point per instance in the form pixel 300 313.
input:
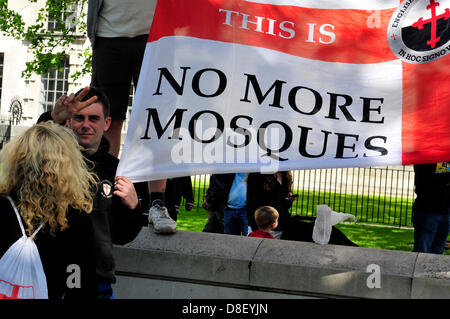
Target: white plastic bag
pixel 325 219
pixel 21 273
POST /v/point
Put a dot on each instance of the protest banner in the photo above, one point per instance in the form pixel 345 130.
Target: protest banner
pixel 265 85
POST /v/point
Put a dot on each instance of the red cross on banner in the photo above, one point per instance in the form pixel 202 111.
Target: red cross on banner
pixel 433 20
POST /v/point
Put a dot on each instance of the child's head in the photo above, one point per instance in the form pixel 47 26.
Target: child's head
pixel 266 216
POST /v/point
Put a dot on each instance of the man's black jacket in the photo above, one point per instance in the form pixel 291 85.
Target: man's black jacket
pixel 432 189
pixel 219 188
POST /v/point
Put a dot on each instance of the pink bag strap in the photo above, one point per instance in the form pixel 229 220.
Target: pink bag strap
pixel 20 220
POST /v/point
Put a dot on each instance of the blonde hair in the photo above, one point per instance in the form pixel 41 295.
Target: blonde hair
pixel 266 216
pixel 46 170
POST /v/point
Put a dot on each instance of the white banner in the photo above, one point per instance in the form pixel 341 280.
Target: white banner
pixel 242 86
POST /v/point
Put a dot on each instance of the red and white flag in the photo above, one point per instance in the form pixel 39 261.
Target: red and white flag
pixel 272 85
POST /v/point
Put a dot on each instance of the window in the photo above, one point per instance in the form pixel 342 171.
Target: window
pixel 55 84
pixel 2 56
pixel 67 16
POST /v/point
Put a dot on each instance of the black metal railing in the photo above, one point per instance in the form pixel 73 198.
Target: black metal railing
pixel 374 195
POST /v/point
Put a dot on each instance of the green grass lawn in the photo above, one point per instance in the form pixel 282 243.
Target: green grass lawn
pixel 366 208
pixel 379 237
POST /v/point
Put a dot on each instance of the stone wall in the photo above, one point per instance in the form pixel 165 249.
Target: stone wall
pixel 190 265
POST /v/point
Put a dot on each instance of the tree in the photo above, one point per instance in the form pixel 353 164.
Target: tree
pixel 59 24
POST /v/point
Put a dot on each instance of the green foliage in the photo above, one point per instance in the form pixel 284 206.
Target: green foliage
pixel 59 24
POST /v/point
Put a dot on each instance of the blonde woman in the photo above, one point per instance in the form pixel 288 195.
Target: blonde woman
pixel 47 178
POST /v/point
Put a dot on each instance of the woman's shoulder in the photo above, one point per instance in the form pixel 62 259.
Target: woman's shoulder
pixel 7 210
pixel 4 200
pixel 9 226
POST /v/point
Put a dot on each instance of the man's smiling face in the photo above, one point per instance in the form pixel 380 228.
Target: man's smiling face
pixel 89 125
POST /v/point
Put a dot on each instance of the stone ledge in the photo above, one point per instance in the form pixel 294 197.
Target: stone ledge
pixel 206 262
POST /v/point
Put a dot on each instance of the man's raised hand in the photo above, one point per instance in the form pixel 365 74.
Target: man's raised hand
pixel 67 106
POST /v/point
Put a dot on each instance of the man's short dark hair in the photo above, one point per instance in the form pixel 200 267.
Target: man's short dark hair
pixel 101 98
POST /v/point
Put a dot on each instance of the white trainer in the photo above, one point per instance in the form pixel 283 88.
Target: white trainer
pixel 158 216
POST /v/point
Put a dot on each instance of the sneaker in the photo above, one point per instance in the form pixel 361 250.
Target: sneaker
pixel 159 217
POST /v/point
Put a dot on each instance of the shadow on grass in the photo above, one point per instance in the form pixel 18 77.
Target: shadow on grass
pixel 379 237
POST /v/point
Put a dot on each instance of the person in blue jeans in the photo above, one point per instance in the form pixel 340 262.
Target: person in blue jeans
pixel 431 209
pixel 235 213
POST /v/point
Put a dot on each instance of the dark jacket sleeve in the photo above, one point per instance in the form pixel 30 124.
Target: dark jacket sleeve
pixel 94 7
pixel 126 223
pixel 282 205
pixel 432 189
pixel 186 189
pixel 254 183
pixel 217 194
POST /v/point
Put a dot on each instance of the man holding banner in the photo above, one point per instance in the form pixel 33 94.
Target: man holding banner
pixel 116 215
pixel 118 31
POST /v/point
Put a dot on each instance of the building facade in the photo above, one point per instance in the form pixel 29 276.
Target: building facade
pixel 22 100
